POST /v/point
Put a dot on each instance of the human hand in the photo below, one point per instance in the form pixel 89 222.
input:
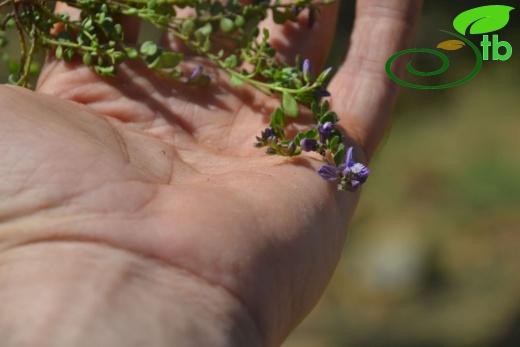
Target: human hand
pixel 155 186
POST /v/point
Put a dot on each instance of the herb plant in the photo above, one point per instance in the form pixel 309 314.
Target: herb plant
pixel 243 51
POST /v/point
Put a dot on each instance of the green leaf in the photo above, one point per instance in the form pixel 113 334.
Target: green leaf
pixel 289 105
pixel 12 79
pixel 176 73
pixel 231 61
pixel 188 27
pixel 87 59
pixel 227 25
pixel 205 30
pixel 334 142
pixel 131 52
pixel 325 107
pixel 324 76
pixel 236 81
pixel 339 157
pixel 34 69
pixel 167 60
pixel 107 71
pixel 315 108
pixel 277 119
pixel 311 134
pixel 240 21
pixel 329 116
pixel 482 20
pixel 298 138
pixel 3 40
pixel 279 17
pixel 148 48
pixel 59 52
pixel 13 66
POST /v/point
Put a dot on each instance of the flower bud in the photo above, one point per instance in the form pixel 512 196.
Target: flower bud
pixel 307 71
pixel 324 131
pixel 272 141
pixel 291 148
pixel 309 145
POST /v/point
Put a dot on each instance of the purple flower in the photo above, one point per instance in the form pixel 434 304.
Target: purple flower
pixel 354 185
pixel 267 133
pixel 358 171
pixel 265 137
pixel 351 174
pixel 324 131
pixel 307 70
pixel 328 172
pixel 309 145
pixel 195 74
pixel 198 77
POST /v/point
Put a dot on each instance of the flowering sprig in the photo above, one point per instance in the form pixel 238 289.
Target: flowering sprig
pixel 324 139
pixel 223 31
pixel 350 174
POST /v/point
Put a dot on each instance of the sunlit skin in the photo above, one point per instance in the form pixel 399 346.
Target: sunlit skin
pixel 137 208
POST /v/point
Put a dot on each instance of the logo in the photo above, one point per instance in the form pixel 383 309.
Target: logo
pixel 479 20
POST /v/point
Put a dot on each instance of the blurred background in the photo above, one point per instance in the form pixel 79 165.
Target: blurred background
pixel 433 255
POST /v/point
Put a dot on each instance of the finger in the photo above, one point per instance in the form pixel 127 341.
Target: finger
pixel 361 90
pixel 311 38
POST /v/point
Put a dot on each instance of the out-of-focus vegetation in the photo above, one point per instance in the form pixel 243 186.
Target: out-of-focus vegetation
pixel 432 258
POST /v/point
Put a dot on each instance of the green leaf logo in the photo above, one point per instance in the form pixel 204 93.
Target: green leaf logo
pixel 483 20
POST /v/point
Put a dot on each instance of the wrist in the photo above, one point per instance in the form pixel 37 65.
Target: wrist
pixel 85 294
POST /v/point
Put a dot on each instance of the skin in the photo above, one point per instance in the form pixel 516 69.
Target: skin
pixel 135 211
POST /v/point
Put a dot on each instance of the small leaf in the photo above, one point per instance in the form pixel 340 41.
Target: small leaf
pixel 236 81
pixel 451 45
pixel 329 116
pixel 325 107
pixel 148 48
pixel 227 25
pixel 87 59
pixel 334 142
pixel 205 30
pixel 131 52
pixel 482 20
pixel 278 17
pixel 188 27
pixel 311 134
pixel 277 119
pixel 13 66
pixel 240 21
pixel 35 69
pixel 231 61
pixel 339 157
pixel 167 60
pixel 298 138
pixel 289 105
pixel 59 52
pixel 12 79
pixel 315 108
pixel 176 73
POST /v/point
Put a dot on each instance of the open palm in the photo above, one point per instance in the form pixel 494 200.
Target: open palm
pixel 168 171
